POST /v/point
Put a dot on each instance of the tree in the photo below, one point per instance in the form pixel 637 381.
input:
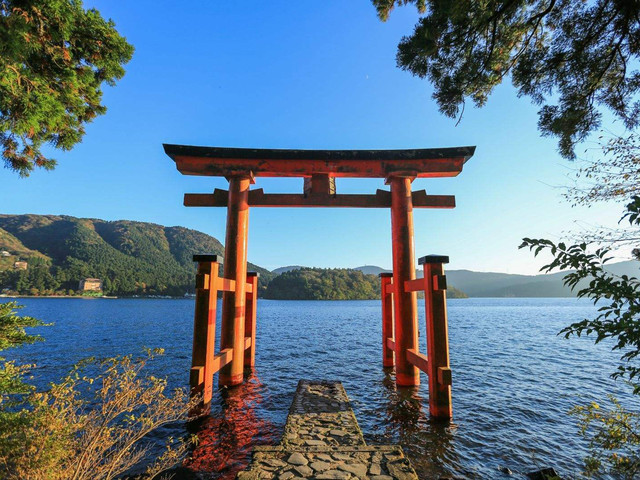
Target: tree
pixel 54 58
pixel 13 334
pixel 572 57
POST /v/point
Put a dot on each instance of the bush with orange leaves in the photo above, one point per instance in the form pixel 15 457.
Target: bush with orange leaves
pixel 94 424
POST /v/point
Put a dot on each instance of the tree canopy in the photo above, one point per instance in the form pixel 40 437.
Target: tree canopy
pixel 54 58
pixel 323 284
pixel 573 58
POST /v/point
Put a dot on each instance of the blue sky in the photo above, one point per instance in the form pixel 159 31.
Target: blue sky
pixel 302 75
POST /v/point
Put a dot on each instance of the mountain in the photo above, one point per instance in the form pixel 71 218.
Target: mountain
pixel 492 284
pixel 129 257
pixel 371 270
pixel 289 268
pixel 144 258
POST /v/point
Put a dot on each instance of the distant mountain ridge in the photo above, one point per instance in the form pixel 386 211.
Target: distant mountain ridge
pixel 494 284
pixel 289 268
pixel 145 258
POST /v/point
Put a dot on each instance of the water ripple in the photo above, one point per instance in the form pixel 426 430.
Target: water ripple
pixel 514 379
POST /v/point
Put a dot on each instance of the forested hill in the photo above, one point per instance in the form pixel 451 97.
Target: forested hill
pixel 130 257
pixel 329 284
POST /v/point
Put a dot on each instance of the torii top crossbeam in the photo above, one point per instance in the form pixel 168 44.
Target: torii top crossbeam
pixel 216 161
pixel 319 168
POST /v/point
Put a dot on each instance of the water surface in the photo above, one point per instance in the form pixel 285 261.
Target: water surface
pixel 514 379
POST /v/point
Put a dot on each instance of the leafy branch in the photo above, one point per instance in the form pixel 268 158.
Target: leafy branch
pixel 619 317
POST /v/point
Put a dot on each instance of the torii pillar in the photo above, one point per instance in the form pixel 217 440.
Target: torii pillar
pixel 405 302
pixel 232 334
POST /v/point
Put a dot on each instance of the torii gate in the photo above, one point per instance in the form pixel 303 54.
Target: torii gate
pixel 319 168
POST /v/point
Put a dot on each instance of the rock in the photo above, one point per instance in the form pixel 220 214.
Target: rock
pixel 333 475
pixel 341 456
pixel 381 477
pixel 358 469
pixel 392 457
pixel 375 469
pixel 505 470
pixel 304 470
pixel 297 459
pixel 286 475
pixel 275 462
pixel 543 474
pixel 324 457
pixel 247 476
pixel 315 443
pixel 320 466
pixel 398 471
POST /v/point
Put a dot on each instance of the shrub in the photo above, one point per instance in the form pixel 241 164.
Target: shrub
pixel 93 425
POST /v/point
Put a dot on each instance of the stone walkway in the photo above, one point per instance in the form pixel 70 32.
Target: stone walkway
pixel 322 440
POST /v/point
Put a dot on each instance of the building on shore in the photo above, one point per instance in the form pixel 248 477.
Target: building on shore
pixel 90 285
pixel 4 253
pixel 20 265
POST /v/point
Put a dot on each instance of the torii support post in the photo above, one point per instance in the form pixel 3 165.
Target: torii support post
pixel 204 328
pixel 388 338
pixel 435 297
pixel 232 333
pixel 405 302
pixel 250 319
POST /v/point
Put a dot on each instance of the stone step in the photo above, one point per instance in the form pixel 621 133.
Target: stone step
pixel 384 462
pixel 321 415
pixel 322 440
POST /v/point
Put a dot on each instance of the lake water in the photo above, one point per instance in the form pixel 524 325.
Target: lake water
pixel 514 379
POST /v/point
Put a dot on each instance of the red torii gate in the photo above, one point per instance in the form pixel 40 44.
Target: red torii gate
pixel 319 168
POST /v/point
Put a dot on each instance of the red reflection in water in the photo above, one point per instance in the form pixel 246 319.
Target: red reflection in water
pixel 226 438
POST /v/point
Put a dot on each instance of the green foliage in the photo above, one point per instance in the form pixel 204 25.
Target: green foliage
pixel 330 284
pixel 453 292
pixel 54 58
pixel 323 284
pixel 619 317
pixel 12 326
pixel 614 439
pixel 13 334
pixel 131 258
pixel 574 58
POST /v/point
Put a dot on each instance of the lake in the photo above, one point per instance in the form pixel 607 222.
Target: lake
pixel 514 379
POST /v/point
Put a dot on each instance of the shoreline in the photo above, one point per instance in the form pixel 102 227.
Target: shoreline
pixel 108 297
